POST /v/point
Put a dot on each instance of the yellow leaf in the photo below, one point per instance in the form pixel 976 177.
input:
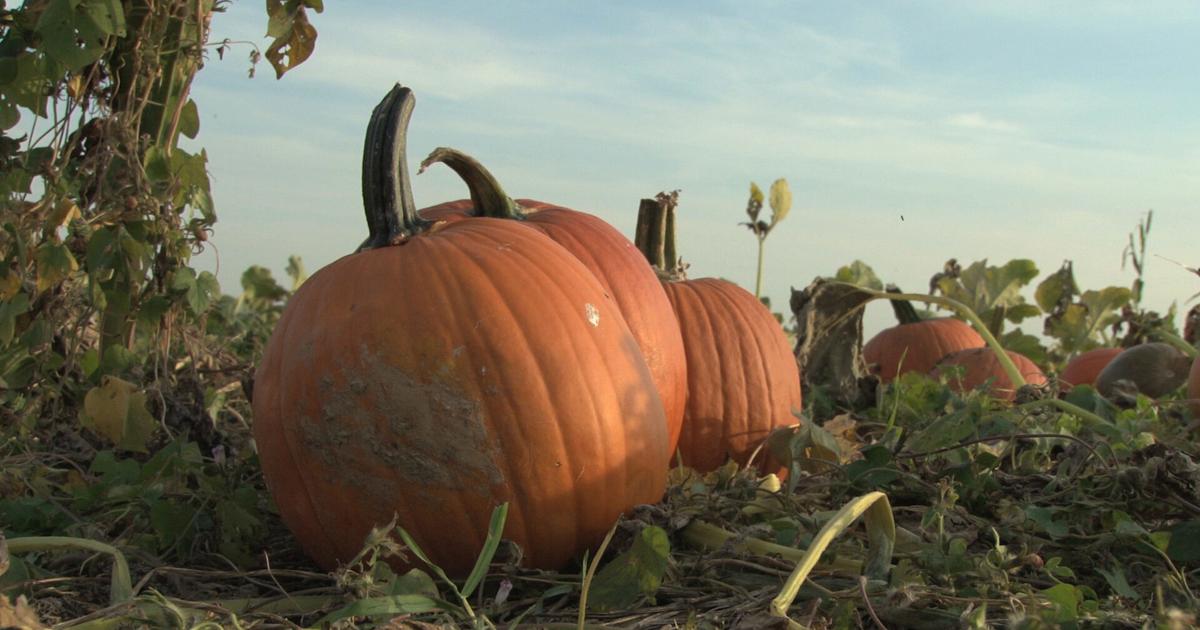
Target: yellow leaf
pixel 118 412
pixel 781 200
pixel 756 194
pixel 62 213
pixel 10 284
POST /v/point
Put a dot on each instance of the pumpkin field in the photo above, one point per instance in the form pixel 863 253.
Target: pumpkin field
pixel 502 412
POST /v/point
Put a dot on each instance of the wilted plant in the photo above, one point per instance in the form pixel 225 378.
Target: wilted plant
pixel 781 202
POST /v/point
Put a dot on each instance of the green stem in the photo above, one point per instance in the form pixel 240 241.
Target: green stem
pixel 1067 407
pixel 1177 341
pixel 386 186
pixel 903 309
pixel 121 585
pixel 758 278
pixel 965 311
pixel 709 536
pixel 487 195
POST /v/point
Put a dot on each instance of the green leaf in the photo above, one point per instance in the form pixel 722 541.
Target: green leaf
pixel 1119 584
pixel 1066 599
pixel 189 120
pixel 71 35
pixel 415 582
pixel 634 574
pixel 258 284
pixel 10 310
pixel 1044 517
pixel 295 271
pixel 54 264
pixel 987 288
pixel 490 544
pixel 107 15
pixel 9 116
pixel 1078 327
pixel 171 521
pixel 118 412
pixel 859 274
pixel 385 606
pixel 1028 345
pixel 1184 546
pixel 1058 289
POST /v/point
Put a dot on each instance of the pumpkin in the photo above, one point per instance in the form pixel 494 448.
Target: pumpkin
pixel 610 257
pixel 982 366
pixel 915 344
pixel 1085 367
pixel 1155 368
pixel 742 380
pixel 446 368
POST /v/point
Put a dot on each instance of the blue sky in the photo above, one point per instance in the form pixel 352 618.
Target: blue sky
pixel 1005 130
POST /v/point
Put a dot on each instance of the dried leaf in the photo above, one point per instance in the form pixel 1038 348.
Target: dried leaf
pixel 781 200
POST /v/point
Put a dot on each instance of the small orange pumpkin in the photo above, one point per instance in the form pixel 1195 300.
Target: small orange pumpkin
pixel 981 366
pixel 1085 367
pixel 915 344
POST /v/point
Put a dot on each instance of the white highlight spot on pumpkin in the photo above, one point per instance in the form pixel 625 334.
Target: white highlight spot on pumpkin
pixel 593 314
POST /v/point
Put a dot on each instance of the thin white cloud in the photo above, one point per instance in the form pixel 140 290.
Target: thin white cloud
pixel 977 121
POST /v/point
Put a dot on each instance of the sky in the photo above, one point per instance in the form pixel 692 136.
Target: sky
pixel 910 132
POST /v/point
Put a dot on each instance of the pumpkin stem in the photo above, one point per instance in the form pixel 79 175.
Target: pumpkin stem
pixel 487 195
pixel 386 187
pixel 655 235
pixel 904 310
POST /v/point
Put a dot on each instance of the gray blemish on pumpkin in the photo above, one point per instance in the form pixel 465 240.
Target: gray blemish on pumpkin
pixel 593 314
pixel 430 434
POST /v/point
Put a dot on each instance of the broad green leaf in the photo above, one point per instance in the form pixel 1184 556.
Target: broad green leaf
pixel 9 116
pixel 189 120
pixel 781 200
pixel 1078 327
pixel 1184 546
pixel 118 412
pixel 107 15
pixel 258 284
pixel 1057 289
pixel 634 574
pixel 415 582
pixel 171 520
pixel 1066 599
pixel 1028 345
pixel 70 34
pixel 986 288
pixel 10 309
pixel 859 274
pixel 1117 581
pixel 1044 517
pixel 54 264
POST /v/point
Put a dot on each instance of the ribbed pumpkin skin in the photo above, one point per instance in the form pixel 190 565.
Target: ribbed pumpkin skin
pixel 1084 368
pixel 918 346
pixel 742 378
pixel 623 272
pixel 476 363
pixel 981 364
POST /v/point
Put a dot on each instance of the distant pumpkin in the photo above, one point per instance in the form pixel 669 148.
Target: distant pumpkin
pixel 1086 366
pixel 981 366
pixel 915 344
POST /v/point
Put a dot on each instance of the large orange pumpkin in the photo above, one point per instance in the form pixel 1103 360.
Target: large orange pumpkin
pixel 447 368
pixel 981 365
pixel 743 381
pixel 611 257
pixel 916 345
pixel 1086 366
